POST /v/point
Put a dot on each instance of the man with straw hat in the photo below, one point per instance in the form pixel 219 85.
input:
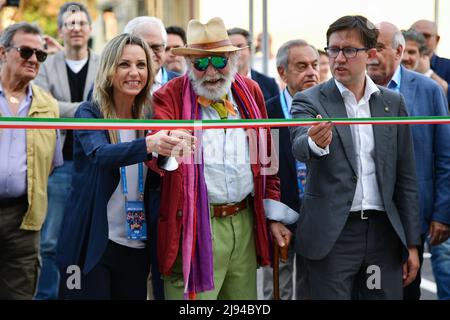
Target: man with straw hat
pixel 217 208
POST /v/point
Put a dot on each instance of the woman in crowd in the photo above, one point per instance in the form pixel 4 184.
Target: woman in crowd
pixel 102 250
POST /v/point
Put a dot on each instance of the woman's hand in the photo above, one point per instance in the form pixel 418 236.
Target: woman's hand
pixel 175 143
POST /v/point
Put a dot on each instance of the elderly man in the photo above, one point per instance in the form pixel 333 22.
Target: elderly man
pixel 152 30
pixel 212 225
pixel 358 228
pixel 298 67
pixel 423 97
pixel 27 158
pixel 67 76
pixel 438 64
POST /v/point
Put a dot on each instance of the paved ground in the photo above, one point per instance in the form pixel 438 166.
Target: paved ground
pixel 428 286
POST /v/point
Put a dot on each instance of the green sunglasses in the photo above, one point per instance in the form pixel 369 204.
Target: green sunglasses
pixel 218 62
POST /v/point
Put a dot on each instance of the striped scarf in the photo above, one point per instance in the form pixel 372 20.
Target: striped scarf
pixel 197 252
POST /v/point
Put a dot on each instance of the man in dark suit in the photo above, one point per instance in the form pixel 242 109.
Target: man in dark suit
pixel 423 97
pixel 438 64
pixel 298 66
pixel 358 228
pixel 241 38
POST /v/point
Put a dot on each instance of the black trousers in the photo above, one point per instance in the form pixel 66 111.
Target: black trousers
pixel 121 274
pixel 364 263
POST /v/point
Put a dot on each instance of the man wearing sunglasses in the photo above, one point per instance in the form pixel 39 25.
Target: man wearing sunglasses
pixel 27 157
pixel 212 229
pixel 67 75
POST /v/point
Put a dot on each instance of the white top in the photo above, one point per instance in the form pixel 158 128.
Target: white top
pixel 76 65
pixel 228 173
pixel 157 82
pixel 367 195
pixel 117 229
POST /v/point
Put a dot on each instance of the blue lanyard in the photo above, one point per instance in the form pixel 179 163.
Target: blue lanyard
pixel 300 167
pixel 284 105
pixel 164 75
pixel 123 174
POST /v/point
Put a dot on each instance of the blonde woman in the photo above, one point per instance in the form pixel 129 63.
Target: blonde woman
pixel 104 231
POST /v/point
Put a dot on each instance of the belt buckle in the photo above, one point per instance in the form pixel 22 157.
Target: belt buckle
pixel 363 217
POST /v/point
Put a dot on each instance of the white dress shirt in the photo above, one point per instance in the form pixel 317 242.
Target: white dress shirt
pixel 228 173
pixel 367 195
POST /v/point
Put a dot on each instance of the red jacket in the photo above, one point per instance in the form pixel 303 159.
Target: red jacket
pixel 167 104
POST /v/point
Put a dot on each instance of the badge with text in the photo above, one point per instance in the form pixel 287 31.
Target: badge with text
pixel 136 224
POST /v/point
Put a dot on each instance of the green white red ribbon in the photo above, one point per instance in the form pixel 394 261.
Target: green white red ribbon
pixel 109 124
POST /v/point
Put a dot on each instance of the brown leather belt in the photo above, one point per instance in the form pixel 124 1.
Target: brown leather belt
pixel 228 209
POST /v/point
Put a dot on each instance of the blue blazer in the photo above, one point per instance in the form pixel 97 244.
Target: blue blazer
pixel 268 85
pixel 424 97
pixel 287 170
pixel 84 232
pixel 442 67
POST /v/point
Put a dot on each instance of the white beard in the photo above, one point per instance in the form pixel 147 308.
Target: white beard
pixel 217 91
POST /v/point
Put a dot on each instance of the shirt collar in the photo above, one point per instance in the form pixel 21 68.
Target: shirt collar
pixel 394 83
pixel 158 77
pixel 28 95
pixel 370 88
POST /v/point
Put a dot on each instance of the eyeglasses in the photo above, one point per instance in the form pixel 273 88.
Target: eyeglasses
pixel 348 52
pixel 218 62
pixel 72 24
pixel 157 48
pixel 26 53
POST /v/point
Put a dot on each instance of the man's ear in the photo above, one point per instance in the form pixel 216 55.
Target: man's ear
pixel 438 37
pixel 282 73
pixel 2 53
pixel 399 51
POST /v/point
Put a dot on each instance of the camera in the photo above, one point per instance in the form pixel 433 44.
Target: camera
pixel 12 3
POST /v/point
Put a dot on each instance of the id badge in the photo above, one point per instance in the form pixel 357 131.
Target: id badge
pixel 136 224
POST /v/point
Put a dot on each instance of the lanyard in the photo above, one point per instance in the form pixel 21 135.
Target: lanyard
pixel 123 174
pixel 284 105
pixel 300 167
pixel 164 76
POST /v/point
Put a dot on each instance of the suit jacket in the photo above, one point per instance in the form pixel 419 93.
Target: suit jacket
pixel 331 180
pixel 168 104
pixel 53 78
pixel 442 67
pixel 287 171
pixel 424 97
pixel 96 165
pixel 269 86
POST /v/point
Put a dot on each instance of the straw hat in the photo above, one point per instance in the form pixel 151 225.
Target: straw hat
pixel 211 37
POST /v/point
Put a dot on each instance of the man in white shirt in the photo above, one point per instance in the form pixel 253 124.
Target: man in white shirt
pixel 359 223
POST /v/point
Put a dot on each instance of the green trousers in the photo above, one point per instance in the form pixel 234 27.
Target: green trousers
pixel 234 262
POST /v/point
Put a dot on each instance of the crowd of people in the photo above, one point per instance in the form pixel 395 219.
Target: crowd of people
pixel 192 214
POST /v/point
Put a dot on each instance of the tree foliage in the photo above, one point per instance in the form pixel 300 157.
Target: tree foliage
pixel 45 12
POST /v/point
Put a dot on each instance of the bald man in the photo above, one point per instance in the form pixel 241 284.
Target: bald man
pixel 439 65
pixel 423 97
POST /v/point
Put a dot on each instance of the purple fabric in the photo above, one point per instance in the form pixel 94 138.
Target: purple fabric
pixel 198 270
